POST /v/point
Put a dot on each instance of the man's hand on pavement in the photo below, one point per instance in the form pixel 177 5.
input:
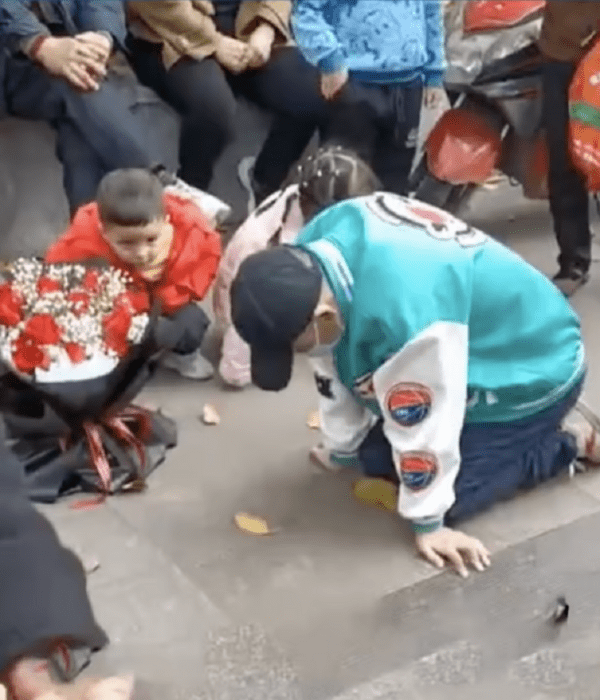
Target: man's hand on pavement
pixel 321 457
pixel 74 60
pixel 460 550
pixel 332 83
pixel 232 54
pixel 260 45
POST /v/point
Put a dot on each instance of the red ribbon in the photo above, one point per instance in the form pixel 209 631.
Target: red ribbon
pixel 118 426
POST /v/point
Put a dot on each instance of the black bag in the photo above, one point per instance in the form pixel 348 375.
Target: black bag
pixel 63 433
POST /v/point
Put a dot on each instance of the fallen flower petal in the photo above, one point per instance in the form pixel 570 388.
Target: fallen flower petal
pixel 380 493
pixel 210 415
pixel 314 420
pixel 252 524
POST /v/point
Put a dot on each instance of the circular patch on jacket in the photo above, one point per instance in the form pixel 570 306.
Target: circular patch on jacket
pixel 409 404
pixel 418 470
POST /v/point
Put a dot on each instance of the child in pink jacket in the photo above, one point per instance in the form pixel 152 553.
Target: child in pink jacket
pixel 331 175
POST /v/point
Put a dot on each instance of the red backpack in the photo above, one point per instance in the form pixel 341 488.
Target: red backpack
pixel 584 121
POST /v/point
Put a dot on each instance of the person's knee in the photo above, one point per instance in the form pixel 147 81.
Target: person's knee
pixel 214 119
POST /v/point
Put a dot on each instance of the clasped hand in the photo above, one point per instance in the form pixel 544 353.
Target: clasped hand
pixel 238 56
pixel 81 60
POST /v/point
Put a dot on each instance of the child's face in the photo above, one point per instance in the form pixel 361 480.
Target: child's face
pixel 144 247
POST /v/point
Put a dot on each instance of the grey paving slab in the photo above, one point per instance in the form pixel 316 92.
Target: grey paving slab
pixel 490 637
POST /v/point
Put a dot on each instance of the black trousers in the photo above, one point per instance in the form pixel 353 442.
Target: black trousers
pixel 569 202
pixel 43 595
pixel 96 132
pixel 205 95
pixel 380 123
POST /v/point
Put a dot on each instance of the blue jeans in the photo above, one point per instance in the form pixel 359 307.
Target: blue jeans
pixel 497 459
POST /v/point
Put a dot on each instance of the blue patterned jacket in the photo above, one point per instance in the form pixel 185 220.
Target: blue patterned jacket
pixel 378 41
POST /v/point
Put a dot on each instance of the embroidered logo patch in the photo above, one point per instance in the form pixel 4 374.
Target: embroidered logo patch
pixel 409 404
pixel 418 470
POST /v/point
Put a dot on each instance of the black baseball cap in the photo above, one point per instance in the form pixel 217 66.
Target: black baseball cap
pixel 273 299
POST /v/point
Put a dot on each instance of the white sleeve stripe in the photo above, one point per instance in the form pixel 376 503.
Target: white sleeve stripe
pixel 422 391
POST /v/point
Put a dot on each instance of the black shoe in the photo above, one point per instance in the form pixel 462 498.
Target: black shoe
pixel 569 279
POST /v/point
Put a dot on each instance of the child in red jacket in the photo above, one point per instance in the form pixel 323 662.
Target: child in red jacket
pixel 164 242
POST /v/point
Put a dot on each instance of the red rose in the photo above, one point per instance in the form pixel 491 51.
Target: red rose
pixel 80 302
pixel 45 285
pixel 28 356
pixel 42 329
pixel 138 300
pixel 116 327
pixel 75 352
pixel 11 311
pixel 91 281
pixel 117 344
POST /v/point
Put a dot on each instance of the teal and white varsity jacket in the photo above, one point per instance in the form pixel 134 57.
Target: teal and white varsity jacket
pixel 443 325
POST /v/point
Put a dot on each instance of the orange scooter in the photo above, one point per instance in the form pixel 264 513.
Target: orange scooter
pixel 495 122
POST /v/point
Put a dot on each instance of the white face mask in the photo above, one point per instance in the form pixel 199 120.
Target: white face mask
pixel 320 349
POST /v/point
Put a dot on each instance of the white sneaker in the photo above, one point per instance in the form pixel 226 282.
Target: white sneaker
pixel 584 424
pixel 215 210
pixel 192 366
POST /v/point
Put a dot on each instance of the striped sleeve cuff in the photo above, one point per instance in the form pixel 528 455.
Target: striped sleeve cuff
pixel 348 460
pixel 425 526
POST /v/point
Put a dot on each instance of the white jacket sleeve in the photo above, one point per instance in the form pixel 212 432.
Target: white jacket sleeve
pixel 344 421
pixel 422 391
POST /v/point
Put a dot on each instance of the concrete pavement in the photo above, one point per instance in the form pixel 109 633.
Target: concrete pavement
pixel 335 605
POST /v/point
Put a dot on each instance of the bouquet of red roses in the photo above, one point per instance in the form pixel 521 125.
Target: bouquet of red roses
pixel 76 342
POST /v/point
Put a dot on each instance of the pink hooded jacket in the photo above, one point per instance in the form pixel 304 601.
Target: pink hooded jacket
pixel 254 235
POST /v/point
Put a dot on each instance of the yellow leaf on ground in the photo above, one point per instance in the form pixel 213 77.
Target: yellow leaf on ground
pixel 252 524
pixel 210 415
pixel 380 493
pixel 314 421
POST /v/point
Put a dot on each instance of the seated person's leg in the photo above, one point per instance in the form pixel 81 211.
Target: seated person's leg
pixel 100 123
pixel 107 122
pixel 289 87
pixel 397 144
pixel 356 120
pixel 199 91
pixel 82 168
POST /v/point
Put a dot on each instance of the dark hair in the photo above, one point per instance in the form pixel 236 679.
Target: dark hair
pixel 130 197
pixel 330 175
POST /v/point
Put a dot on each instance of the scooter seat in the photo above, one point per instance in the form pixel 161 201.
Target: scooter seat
pixel 523 62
